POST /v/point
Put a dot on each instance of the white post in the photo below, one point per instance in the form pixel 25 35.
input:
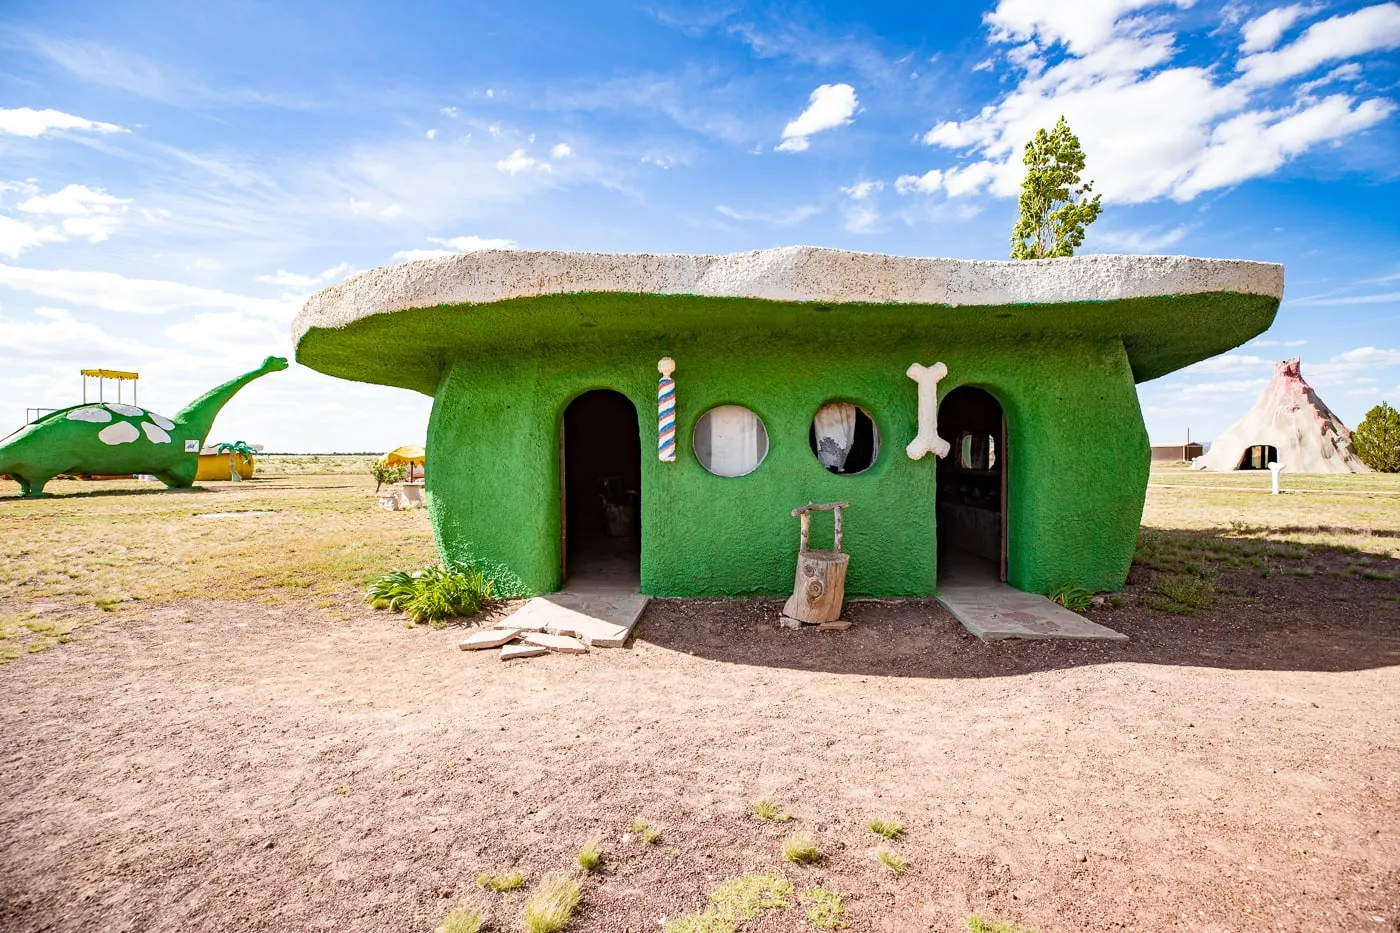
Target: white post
pixel 1275 468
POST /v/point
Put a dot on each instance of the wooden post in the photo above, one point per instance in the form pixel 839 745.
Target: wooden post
pixel 820 586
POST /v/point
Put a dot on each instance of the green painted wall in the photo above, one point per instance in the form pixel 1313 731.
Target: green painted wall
pixel 1078 451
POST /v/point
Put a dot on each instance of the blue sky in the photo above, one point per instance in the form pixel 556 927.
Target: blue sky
pixel 176 178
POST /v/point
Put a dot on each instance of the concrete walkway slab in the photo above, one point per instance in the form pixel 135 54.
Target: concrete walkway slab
pixel 993 611
pixel 599 619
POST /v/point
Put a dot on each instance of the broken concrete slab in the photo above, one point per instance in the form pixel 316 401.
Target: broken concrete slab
pixel 488 638
pixel 993 611
pixel 837 626
pixel 511 652
pixel 601 620
pixel 564 644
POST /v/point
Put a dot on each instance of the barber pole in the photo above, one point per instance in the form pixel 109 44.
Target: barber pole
pixel 666 411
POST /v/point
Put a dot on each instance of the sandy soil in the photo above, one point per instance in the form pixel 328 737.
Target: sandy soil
pixel 230 766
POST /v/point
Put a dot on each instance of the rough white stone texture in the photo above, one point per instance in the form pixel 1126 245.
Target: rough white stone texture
pixel 489 638
pixel 511 652
pixel 789 273
pixel 131 411
pixel 561 643
pixel 154 434
pixel 95 415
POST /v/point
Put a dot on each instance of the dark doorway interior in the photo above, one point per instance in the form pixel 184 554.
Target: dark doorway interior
pixel 602 486
pixel 972 487
pixel 1258 457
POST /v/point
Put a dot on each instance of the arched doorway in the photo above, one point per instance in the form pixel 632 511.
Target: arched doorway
pixel 1258 457
pixel 601 489
pixel 972 487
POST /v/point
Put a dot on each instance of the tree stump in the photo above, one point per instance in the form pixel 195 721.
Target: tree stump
pixel 820 588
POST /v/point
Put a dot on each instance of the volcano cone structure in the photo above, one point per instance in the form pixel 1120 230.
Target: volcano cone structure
pixel 1289 424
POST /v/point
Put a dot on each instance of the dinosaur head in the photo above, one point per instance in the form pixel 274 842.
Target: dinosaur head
pixel 274 364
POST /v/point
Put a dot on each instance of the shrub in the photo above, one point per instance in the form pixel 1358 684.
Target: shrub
pixel 590 855
pixel 801 848
pixel 432 594
pixel 510 882
pixel 766 809
pixel 647 832
pixel 735 902
pixel 887 828
pixel 1376 439
pixel 978 924
pixel 463 920
pixel 895 862
pixel 386 475
pixel 548 910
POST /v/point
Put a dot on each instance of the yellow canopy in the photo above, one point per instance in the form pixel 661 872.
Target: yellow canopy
pixel 405 455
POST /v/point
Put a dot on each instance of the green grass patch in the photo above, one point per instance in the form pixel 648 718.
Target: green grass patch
pixel 590 856
pixel 509 882
pixel 801 849
pixel 1183 594
pixel 548 910
pixel 1377 575
pixel 734 903
pixel 890 829
pixel 465 919
pixel 1072 596
pixel 766 809
pixel 432 594
pixel 826 910
pixel 645 831
pixel 976 923
pixel 896 863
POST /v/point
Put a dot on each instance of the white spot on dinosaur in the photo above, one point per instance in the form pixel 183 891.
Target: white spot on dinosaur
pixel 129 410
pixel 165 423
pixel 154 434
pixel 95 415
pixel 123 432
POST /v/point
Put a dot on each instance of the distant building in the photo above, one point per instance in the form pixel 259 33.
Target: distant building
pixel 1184 451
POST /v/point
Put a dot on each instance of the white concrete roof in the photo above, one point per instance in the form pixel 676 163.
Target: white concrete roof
pixel 790 273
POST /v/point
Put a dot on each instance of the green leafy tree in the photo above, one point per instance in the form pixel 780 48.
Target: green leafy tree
pixel 1055 207
pixel 1376 439
pixel 383 474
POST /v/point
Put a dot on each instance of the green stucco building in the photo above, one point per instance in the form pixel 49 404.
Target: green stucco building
pixel 792 384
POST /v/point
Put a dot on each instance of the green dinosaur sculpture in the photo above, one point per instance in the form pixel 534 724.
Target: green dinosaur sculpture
pixel 111 438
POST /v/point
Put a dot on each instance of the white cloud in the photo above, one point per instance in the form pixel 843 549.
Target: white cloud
pixel 859 217
pixel 24 121
pixel 88 213
pixel 455 246
pixel 431 134
pixel 16 236
pixel 1276 343
pixel 1263 32
pixel 293 280
pixel 1373 29
pixel 113 292
pixel 561 151
pixel 1229 363
pixel 449 112
pixel 1151 129
pixel 830 106
pixel 225 331
pixel 863 189
pixel 796 215
pixel 1082 26
pixel 1328 300
pixel 518 162
pixel 59 337
pixel 1141 241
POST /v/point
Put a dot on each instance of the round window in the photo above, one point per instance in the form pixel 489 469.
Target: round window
pixel 730 440
pixel 844 438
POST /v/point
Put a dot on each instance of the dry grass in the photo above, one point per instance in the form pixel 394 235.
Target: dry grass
pixel 465 919
pixel 766 809
pixel 896 863
pixel 734 903
pixel 890 829
pixel 508 882
pixel 119 542
pixel 801 849
pixel 590 856
pixel 645 831
pixel 313 464
pixel 548 910
pixel 826 910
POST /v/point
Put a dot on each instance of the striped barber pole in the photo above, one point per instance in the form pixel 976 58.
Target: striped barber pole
pixel 666 411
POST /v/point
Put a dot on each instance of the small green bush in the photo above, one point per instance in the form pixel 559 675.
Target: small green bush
pixel 386 475
pixel 510 882
pixel 768 810
pixel 548 910
pixel 463 920
pixel 801 848
pixel 1073 597
pixel 978 924
pixel 432 594
pixel 645 831
pixel 890 829
pixel 826 910
pixel 590 856
pixel 734 903
pixel 895 862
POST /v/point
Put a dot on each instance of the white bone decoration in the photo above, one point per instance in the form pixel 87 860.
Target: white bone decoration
pixel 927 440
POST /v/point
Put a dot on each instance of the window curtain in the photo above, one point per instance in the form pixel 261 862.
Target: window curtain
pixel 835 426
pixel 733 438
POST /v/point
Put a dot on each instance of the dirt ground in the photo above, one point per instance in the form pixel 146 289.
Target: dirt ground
pixel 207 765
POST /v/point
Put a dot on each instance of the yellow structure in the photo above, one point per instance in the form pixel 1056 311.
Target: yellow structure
pixel 216 466
pixel 101 375
pixel 409 455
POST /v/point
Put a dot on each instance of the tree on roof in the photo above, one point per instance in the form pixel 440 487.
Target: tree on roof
pixel 1055 207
